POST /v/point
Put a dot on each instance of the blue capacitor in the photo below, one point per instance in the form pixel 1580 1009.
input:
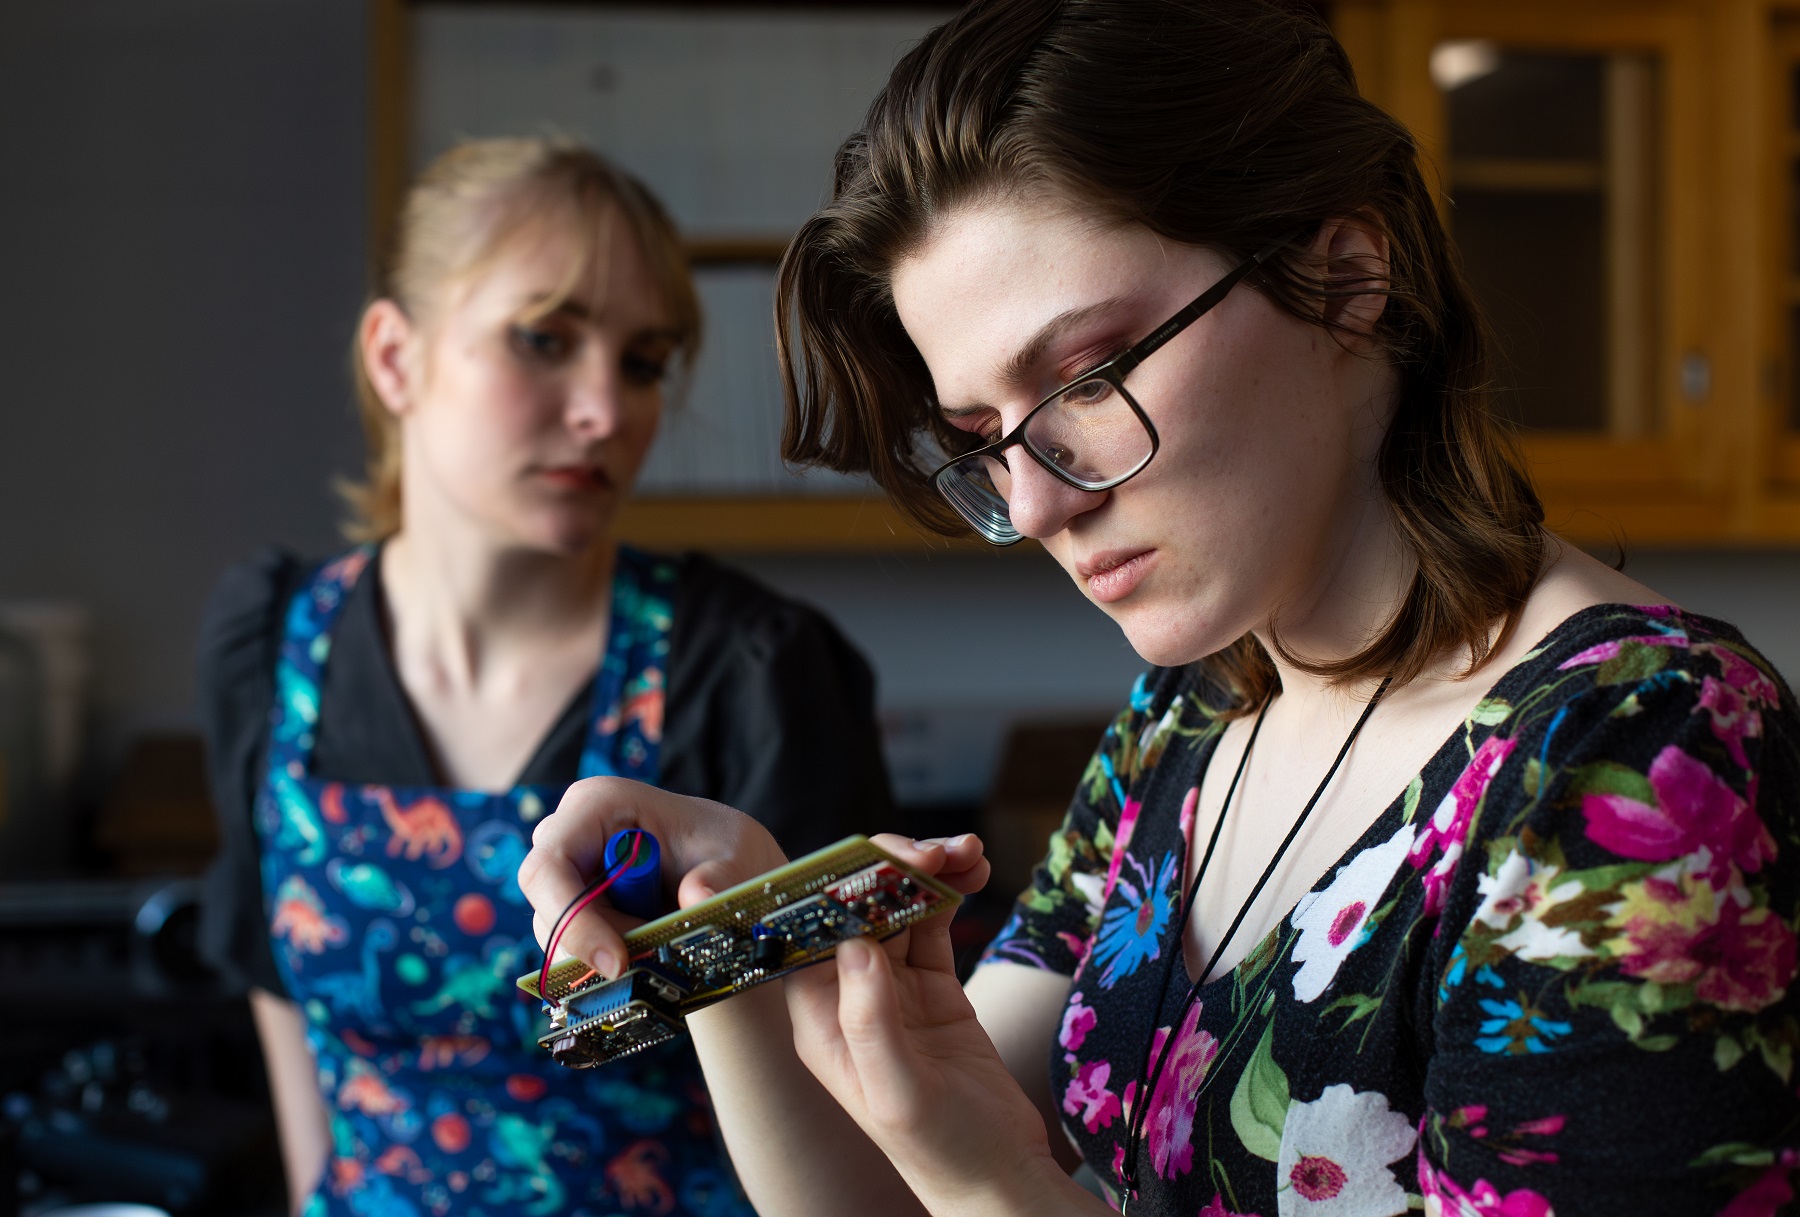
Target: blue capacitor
pixel 638 889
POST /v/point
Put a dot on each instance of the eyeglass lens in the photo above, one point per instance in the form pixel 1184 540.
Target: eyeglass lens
pixel 1088 433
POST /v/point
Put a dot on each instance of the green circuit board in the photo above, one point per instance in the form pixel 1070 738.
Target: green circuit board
pixel 758 931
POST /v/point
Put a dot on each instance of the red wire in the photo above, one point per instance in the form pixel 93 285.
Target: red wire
pixel 574 911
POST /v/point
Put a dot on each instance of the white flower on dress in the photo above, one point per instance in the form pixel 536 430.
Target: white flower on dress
pixel 1515 898
pixel 1091 889
pixel 1335 1153
pixel 1333 923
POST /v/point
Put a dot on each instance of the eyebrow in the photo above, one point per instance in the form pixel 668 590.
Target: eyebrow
pixel 1018 367
pixel 581 312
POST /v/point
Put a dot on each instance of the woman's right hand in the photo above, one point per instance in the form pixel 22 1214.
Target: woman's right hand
pixel 706 848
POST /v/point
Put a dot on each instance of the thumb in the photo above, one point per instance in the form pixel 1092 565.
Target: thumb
pixel 706 881
pixel 874 1031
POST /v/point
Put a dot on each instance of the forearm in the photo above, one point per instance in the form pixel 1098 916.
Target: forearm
pixel 300 1114
pixel 796 1151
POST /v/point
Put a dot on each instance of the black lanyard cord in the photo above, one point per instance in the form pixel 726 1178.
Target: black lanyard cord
pixel 1149 1077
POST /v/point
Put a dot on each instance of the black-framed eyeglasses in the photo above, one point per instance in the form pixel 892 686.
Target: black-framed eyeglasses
pixel 1090 434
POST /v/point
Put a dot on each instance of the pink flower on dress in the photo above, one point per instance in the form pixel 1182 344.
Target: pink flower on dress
pixel 1735 717
pixel 1217 1208
pixel 1742 675
pixel 1771 1191
pixel 1743 959
pixel 1128 818
pixel 1448 828
pixel 1169 1126
pixel 1078 1020
pixel 1445 1198
pixel 1088 1097
pixel 1695 809
pixel 1610 650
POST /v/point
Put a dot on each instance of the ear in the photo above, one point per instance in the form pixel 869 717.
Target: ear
pixel 387 339
pixel 1352 254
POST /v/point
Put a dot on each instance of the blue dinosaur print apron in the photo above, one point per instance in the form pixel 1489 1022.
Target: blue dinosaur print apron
pixel 399 929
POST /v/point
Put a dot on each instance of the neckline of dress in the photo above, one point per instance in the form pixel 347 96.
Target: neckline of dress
pixel 1534 657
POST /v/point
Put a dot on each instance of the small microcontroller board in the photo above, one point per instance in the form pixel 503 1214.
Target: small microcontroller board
pixel 757 931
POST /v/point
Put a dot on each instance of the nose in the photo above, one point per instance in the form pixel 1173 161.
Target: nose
pixel 594 406
pixel 1040 504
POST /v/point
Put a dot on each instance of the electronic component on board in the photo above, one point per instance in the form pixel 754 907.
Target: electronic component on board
pixel 637 889
pixel 758 931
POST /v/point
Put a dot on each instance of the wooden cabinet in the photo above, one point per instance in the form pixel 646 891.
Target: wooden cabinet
pixel 1680 428
pixel 1624 179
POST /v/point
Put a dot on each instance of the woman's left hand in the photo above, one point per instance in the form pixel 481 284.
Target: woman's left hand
pixel 887 1030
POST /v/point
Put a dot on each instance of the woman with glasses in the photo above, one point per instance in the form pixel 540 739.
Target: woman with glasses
pixel 387 728
pixel 1433 864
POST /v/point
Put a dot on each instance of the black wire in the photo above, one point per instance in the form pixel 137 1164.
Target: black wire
pixel 605 876
pixel 1147 1081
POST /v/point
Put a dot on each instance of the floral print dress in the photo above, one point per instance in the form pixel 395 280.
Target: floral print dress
pixel 1555 976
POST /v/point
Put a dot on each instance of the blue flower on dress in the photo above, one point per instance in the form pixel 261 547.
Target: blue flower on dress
pixel 1131 932
pixel 1517 1027
pixel 1142 696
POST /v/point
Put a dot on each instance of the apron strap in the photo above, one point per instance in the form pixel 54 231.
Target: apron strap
pixel 300 667
pixel 626 737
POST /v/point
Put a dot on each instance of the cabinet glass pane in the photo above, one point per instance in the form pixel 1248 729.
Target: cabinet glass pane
pixel 1550 187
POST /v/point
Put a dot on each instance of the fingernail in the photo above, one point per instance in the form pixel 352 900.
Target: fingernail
pixel 961 838
pixel 607 964
pixel 928 842
pixel 855 959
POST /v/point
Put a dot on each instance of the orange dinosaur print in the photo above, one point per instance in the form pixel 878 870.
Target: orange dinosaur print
pixel 401 1160
pixel 644 707
pixel 366 1092
pixel 634 1175
pixel 426 829
pixel 443 1051
pixel 331 803
pixel 300 918
pixel 346 569
pixel 346 1176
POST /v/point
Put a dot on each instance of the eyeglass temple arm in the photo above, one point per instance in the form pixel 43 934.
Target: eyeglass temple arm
pixel 1206 300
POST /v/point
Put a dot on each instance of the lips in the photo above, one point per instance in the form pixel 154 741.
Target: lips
pixel 1114 574
pixel 576 477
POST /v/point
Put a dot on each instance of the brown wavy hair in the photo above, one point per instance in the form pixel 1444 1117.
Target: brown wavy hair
pixel 1216 123
pixel 460 215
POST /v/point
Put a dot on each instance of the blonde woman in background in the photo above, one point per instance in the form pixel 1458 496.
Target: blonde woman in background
pixel 386 728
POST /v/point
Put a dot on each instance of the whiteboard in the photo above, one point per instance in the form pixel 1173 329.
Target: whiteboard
pixel 731 117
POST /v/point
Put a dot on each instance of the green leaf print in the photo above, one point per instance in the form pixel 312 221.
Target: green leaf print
pixel 1610 777
pixel 1534 777
pixel 1633 663
pixel 1360 1005
pixel 1737 1153
pixel 1727 1052
pixel 1259 1104
pixel 1414 789
pixel 1491 712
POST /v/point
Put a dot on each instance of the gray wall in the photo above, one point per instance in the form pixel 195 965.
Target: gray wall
pixel 181 248
pixel 181 253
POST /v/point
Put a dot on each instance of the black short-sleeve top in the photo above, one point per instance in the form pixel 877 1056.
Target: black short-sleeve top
pixel 770 710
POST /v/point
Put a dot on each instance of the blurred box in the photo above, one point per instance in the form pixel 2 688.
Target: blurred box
pixel 158 819
pixel 1040 767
